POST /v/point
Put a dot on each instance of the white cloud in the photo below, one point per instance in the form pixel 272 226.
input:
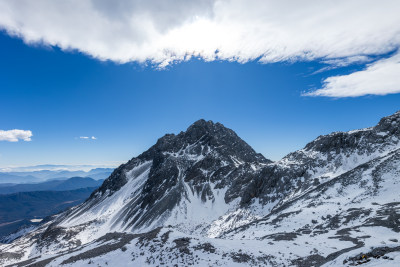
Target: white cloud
pixel 379 78
pixel 338 32
pixel 15 135
pixel 93 138
pixel 162 31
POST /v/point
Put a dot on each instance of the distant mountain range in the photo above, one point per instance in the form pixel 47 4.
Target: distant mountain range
pixel 52 185
pixel 18 177
pixel 10 178
pixel 53 167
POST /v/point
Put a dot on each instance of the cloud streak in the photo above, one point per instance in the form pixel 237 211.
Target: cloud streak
pixel 379 78
pixel 15 135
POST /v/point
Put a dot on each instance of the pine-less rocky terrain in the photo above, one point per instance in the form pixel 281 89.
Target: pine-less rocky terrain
pixel 205 198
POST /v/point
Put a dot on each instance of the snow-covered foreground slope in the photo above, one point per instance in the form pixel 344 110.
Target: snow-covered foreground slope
pixel 204 197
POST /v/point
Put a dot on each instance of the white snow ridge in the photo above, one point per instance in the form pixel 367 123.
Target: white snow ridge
pixel 206 198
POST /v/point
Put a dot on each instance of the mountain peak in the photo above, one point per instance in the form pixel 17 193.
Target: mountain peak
pixel 206 125
pixel 194 132
pixel 203 128
pixel 203 135
pixel 203 143
pixel 202 123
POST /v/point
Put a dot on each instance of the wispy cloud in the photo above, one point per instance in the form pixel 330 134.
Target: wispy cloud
pixel 342 62
pixel 379 78
pixel 87 138
pixel 15 135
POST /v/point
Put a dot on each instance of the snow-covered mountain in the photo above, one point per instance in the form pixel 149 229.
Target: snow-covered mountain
pixel 205 197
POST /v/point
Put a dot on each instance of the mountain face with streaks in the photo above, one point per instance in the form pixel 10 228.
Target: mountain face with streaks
pixel 205 197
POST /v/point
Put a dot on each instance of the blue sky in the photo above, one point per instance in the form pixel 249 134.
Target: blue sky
pixel 278 73
pixel 61 96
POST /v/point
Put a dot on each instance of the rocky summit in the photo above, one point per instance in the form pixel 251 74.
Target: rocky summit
pixel 205 197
